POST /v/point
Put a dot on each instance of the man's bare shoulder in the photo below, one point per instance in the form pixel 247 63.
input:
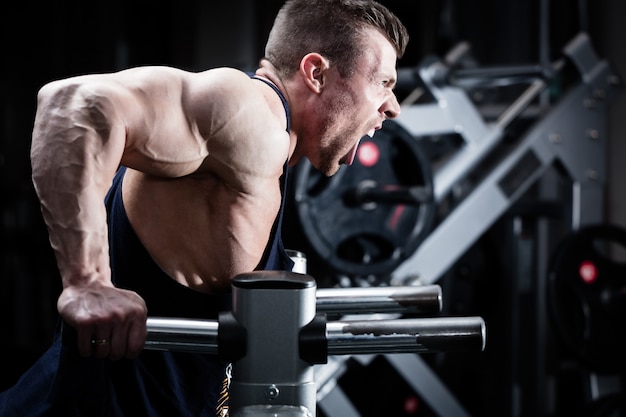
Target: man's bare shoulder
pixel 243 121
pixel 178 122
pixel 228 91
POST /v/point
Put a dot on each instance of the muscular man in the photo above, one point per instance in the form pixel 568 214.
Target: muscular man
pixel 196 161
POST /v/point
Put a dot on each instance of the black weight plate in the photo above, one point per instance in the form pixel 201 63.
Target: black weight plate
pixel 586 297
pixel 370 238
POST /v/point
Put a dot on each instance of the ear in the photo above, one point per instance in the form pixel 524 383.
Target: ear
pixel 313 69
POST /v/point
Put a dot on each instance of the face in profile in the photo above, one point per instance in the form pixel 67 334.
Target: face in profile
pixel 355 106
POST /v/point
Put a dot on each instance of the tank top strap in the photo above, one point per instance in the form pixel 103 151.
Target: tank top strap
pixel 280 95
pixel 275 256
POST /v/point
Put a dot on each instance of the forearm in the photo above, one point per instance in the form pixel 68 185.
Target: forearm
pixel 77 233
pixel 76 149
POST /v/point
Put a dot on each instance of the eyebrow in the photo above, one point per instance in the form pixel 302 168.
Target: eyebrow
pixel 375 77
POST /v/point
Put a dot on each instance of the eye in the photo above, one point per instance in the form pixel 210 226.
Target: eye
pixel 388 84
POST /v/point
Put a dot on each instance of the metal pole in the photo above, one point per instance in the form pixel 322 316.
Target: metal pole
pixel 187 335
pixel 419 299
pixel 421 335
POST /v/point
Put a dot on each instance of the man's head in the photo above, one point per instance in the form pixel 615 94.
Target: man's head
pixel 333 28
pixel 336 60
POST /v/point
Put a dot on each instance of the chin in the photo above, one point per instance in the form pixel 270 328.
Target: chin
pixel 325 166
pixel 329 169
pixel 333 171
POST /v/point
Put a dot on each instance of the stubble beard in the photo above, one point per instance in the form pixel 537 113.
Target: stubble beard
pixel 332 144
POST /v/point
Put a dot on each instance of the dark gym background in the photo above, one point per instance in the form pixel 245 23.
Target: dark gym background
pixel 43 41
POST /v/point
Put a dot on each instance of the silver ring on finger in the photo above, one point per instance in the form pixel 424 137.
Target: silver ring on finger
pixel 99 342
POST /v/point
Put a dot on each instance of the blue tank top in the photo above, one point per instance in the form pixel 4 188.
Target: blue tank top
pixel 167 384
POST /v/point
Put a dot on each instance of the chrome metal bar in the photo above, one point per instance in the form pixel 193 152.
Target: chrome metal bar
pixel 406 335
pixel 187 335
pixel 419 299
pixel 522 102
pixel 421 335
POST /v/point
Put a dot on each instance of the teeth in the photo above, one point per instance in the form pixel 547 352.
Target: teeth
pixel 371 133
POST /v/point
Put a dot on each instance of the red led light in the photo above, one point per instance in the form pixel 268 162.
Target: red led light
pixel 411 405
pixel 588 272
pixel 368 154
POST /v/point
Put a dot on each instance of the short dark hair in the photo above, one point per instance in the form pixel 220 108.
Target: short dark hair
pixel 333 28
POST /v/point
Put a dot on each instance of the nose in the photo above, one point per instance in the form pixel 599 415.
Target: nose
pixel 391 107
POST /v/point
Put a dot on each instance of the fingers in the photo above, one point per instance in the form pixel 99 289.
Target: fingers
pixel 137 333
pixel 83 343
pixel 128 341
pixel 115 343
pixel 109 322
pixel 92 341
pixel 101 345
pixel 122 341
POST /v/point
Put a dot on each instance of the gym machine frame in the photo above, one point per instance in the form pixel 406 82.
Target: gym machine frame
pixel 573 132
pixel 277 331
